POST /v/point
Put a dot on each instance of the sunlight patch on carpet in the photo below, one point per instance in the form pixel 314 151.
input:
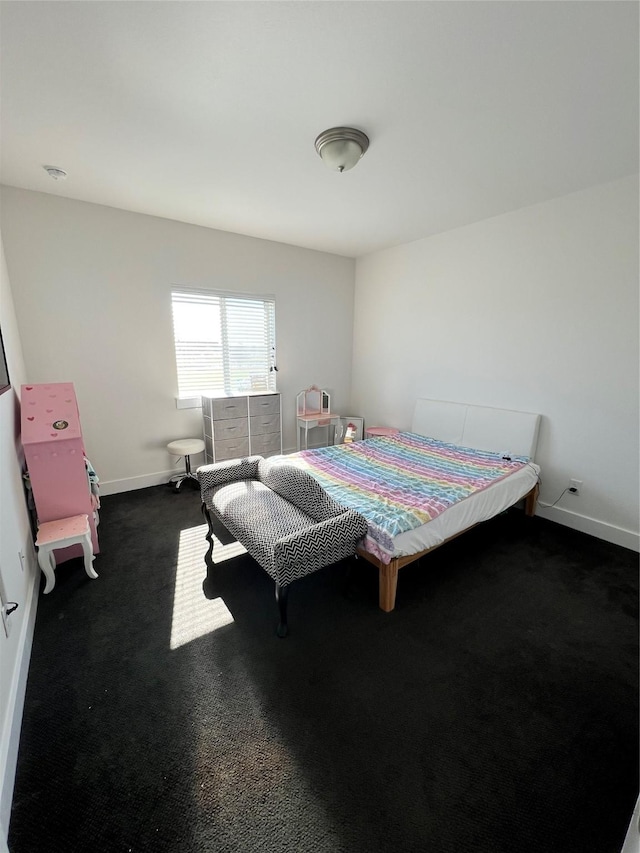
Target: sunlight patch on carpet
pixel 194 615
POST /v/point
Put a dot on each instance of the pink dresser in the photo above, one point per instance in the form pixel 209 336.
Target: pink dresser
pixel 54 453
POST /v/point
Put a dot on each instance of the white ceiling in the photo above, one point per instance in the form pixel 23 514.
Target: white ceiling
pixel 206 112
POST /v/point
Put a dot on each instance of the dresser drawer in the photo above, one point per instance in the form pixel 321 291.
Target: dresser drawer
pixel 267 443
pixel 264 423
pixel 229 407
pixel 269 404
pixel 230 428
pixel 232 448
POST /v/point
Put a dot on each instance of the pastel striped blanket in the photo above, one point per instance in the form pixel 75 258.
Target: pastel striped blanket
pixel 399 483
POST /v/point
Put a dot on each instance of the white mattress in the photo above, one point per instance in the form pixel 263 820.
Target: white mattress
pixel 479 507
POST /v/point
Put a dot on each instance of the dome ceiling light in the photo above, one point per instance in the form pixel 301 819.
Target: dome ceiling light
pixel 55 173
pixel 341 147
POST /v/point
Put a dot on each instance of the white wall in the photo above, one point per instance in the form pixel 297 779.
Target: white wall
pixel 535 310
pixel 18 577
pixel 92 293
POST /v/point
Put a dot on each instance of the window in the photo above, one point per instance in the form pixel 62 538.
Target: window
pixel 225 343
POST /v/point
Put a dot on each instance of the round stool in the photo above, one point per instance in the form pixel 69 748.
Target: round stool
pixel 59 534
pixel 372 432
pixel 185 447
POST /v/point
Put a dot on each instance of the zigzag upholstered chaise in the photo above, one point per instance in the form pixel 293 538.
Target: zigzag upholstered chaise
pixel 282 516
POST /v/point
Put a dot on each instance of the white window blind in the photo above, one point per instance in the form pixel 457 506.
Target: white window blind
pixel 225 344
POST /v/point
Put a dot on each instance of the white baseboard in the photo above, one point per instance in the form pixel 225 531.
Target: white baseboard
pixel 632 840
pixel 130 484
pixel 10 736
pixel 600 529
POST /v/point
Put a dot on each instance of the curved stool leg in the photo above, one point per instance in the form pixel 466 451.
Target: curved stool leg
pixel 87 548
pixel 47 563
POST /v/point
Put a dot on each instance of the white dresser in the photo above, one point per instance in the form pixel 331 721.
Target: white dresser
pixel 241 426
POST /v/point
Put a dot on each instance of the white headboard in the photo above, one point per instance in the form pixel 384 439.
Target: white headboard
pixel 499 430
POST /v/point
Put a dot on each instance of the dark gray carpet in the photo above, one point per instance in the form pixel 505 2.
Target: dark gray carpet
pixel 495 709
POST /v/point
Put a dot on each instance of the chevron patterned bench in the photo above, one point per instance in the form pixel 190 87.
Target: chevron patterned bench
pixel 282 516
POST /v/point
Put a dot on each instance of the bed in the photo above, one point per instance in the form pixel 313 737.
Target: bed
pixel 457 466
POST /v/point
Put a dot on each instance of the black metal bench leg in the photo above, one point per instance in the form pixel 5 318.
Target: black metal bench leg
pixel 208 584
pixel 282 593
pixel 209 535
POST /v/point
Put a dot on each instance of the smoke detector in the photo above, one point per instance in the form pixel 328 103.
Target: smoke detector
pixel 56 174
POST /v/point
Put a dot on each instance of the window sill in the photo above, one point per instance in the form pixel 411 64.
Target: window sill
pixel 188 402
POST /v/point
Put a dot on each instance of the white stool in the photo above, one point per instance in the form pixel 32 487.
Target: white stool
pixel 60 534
pixel 185 447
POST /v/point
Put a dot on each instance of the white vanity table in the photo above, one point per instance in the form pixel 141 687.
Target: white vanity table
pixel 313 409
pixel 307 422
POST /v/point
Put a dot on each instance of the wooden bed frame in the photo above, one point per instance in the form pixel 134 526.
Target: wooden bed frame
pixel 499 430
pixel 388 572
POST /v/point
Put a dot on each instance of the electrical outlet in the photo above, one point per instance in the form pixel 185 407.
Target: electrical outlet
pixel 6 622
pixel 575 486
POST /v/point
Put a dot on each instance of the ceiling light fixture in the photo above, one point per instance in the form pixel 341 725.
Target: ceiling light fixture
pixel 341 147
pixel 56 174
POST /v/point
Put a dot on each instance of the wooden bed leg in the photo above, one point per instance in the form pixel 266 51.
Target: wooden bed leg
pixel 530 501
pixel 388 579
